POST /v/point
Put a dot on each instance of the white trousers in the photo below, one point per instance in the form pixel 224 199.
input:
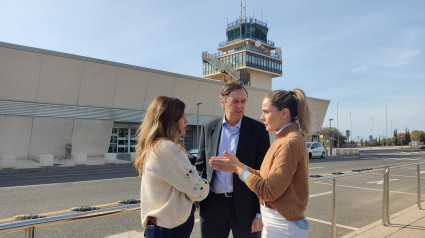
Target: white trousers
pixel 276 226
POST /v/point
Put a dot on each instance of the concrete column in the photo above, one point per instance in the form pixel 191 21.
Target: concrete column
pixel 8 162
pixel 110 158
pixel 46 160
pixel 133 156
pixel 80 159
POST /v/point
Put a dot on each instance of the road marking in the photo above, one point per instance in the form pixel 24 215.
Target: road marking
pixel 382 181
pixel 373 189
pixel 320 194
pixel 406 176
pixel 97 180
pixel 330 223
pixel 316 168
pixel 127 234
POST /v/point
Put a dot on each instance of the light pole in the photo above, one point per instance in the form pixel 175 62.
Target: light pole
pixel 337 125
pixel 197 123
pixel 351 129
pixel 391 130
pixel 330 134
pixel 386 128
pixel 372 127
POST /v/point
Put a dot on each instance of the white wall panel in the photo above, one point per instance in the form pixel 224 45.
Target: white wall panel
pixel 60 80
pixel 49 136
pixel 98 85
pixel 19 74
pixel 208 94
pixel 318 109
pixel 159 84
pixel 91 137
pixel 15 135
pixel 131 89
pixel 185 90
pixel 253 107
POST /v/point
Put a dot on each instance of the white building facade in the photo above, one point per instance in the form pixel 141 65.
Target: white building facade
pixel 49 99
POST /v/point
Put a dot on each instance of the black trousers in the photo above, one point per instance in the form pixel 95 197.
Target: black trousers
pixel 218 217
pixel 182 231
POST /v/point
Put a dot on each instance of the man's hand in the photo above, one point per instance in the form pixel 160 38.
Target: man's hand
pixel 257 225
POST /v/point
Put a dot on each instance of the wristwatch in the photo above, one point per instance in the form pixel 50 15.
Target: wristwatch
pixel 245 170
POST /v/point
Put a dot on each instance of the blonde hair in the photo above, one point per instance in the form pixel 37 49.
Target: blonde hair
pixel 160 122
pixel 296 102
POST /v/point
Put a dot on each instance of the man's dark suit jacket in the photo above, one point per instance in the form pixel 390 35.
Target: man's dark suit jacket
pixel 253 144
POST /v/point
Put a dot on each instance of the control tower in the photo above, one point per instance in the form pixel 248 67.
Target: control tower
pixel 246 57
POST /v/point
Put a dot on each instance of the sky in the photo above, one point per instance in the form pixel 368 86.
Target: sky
pixel 361 55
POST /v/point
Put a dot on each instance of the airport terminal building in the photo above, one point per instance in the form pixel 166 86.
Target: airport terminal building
pixel 50 99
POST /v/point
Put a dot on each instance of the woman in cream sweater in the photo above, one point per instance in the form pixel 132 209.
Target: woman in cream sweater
pixel 170 183
pixel 282 181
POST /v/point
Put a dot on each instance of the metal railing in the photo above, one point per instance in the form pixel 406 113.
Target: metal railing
pixel 385 195
pixel 30 225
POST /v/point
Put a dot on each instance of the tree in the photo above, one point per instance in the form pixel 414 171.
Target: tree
pixel 395 135
pixel 407 137
pixel 342 139
pixel 416 135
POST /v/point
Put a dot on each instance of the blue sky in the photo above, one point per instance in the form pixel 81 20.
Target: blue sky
pixel 361 54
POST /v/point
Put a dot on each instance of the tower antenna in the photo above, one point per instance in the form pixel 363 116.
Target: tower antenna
pixel 244 11
pixel 241 12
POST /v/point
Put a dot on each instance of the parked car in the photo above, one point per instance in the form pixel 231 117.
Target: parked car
pixel 193 155
pixel 315 149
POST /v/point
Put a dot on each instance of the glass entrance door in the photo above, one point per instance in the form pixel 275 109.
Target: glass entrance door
pixel 123 139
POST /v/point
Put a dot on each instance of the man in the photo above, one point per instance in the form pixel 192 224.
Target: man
pixel 230 205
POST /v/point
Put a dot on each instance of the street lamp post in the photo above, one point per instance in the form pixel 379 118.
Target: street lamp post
pixel 351 130
pixel 386 128
pixel 330 137
pixel 337 125
pixel 372 127
pixel 197 124
pixel 391 130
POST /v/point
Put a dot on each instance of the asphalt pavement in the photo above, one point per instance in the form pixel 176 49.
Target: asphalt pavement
pixel 407 223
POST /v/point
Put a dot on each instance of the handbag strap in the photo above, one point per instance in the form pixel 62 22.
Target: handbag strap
pixel 152 220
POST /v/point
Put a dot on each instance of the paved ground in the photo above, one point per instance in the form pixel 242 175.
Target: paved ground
pixel 407 223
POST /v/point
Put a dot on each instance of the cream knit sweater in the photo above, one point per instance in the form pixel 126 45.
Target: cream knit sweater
pixel 170 184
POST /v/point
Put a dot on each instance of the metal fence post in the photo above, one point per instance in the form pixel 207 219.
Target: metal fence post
pixel 419 185
pixel 384 199
pixel 388 196
pixel 333 208
pixel 30 232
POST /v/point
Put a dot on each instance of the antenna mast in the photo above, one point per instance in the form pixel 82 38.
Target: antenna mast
pixel 240 18
pixel 244 11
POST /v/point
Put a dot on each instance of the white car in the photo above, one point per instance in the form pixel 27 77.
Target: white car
pixel 315 149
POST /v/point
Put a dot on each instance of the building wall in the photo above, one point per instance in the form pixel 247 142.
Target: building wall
pixel 66 98
pixel 260 80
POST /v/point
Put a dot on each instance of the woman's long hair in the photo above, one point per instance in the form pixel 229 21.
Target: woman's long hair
pixel 161 122
pixel 296 101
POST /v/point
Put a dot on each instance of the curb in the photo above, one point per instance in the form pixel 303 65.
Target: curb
pixel 379 222
pixel 59 168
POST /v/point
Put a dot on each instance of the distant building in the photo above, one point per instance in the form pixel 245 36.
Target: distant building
pixel 247 56
pixel 49 99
